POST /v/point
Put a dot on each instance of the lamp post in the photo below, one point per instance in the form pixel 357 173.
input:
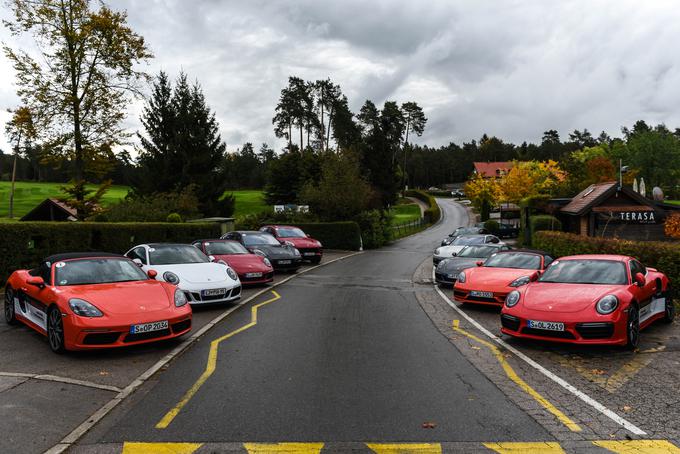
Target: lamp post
pixel 622 169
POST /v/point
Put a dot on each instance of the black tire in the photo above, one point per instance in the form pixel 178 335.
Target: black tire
pixel 10 314
pixel 669 314
pixel 633 328
pixel 55 330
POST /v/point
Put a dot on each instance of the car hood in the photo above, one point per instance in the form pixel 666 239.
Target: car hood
pixel 457 264
pixel 499 277
pixel 124 297
pixel 448 251
pixel 194 273
pixel 245 263
pixel 555 297
pixel 305 243
pixel 275 252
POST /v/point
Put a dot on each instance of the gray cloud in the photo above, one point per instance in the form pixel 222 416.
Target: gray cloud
pixel 512 69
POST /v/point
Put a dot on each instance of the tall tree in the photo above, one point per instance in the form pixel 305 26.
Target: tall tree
pixel 21 132
pixel 415 119
pixel 79 84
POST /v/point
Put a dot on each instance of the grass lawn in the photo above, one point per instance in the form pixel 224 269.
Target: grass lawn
pixel 405 213
pixel 28 194
pixel 673 202
pixel 249 202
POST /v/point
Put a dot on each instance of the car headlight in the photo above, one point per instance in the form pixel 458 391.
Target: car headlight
pixel 296 252
pixel 607 304
pixel 267 262
pixel 232 274
pixel 180 298
pixel 512 299
pixel 437 251
pixel 318 243
pixel 520 281
pixel 461 277
pixel 83 308
pixel 259 252
pixel 171 277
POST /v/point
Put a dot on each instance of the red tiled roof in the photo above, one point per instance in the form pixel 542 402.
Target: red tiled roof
pixel 492 169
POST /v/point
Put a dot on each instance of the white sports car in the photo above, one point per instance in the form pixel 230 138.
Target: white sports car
pixel 202 280
pixel 446 252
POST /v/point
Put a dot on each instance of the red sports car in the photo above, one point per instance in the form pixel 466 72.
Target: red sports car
pixel 309 248
pixel 95 300
pixel 502 272
pixel 589 299
pixel 251 268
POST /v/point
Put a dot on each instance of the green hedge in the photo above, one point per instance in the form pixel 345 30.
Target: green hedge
pixel 432 214
pixel 24 244
pixel 334 235
pixel 665 256
pixel 544 222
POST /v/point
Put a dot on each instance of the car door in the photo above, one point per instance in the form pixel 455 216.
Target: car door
pixel 645 293
pixel 33 300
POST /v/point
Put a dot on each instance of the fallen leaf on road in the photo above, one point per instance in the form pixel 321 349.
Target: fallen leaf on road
pixel 627 408
pixel 598 372
pixel 103 372
pixel 429 425
pixel 475 348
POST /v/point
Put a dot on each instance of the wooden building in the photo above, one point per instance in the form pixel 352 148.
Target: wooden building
pixel 51 210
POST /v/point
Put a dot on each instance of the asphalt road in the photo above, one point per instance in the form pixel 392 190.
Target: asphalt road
pixel 346 354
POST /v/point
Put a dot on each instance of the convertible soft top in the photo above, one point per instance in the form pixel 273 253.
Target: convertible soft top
pixel 528 251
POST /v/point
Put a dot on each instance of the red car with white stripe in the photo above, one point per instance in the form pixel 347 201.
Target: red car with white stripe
pixel 589 299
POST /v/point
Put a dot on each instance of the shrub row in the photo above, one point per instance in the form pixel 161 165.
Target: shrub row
pixel 24 244
pixel 334 235
pixel 432 214
pixel 544 222
pixel 665 256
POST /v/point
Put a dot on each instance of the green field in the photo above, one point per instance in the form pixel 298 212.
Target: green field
pixel 249 202
pixel 405 213
pixel 673 202
pixel 28 194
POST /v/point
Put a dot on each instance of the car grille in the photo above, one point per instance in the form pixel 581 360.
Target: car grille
pixel 597 330
pixel 294 263
pixel 444 278
pixel 265 276
pixel 181 326
pixel 510 322
pixel 548 333
pixel 196 296
pixel 459 294
pixel 100 338
pixel 145 336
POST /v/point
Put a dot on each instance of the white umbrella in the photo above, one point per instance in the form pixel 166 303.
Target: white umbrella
pixel 642 187
pixel 635 185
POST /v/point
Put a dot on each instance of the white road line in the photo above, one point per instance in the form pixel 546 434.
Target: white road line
pixel 560 381
pixel 55 378
pixel 97 416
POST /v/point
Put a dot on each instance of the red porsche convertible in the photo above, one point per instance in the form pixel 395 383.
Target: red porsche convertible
pixel 95 300
pixel 309 248
pixel 589 299
pixel 501 273
pixel 251 268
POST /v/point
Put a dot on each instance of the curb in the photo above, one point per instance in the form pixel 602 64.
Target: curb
pixel 97 416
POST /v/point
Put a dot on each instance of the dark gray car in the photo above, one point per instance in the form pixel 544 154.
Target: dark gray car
pixel 447 270
pixel 283 257
pixel 476 230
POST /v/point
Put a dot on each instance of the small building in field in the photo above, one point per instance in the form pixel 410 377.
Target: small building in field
pixel 492 169
pixel 51 210
pixel 607 210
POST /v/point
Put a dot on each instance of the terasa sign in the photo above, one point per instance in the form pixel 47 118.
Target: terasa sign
pixel 641 217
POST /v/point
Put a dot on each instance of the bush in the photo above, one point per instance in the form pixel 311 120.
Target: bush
pixel 24 244
pixel 432 214
pixel 155 208
pixel 441 193
pixel 665 256
pixel 375 226
pixel 492 226
pixel 544 222
pixel 174 217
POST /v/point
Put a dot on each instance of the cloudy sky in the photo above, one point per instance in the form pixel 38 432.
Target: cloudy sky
pixel 508 68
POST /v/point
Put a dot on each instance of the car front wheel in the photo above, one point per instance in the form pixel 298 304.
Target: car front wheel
pixel 55 330
pixel 633 328
pixel 10 314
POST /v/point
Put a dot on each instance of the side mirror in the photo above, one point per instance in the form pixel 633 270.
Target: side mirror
pixel 212 258
pixel 138 262
pixel 453 254
pixel 640 280
pixel 36 281
pixel 535 276
pixel 480 263
pixel 152 274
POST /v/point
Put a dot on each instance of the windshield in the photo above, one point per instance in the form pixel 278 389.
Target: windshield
pixel 97 271
pixel 465 240
pixel 224 248
pixel 514 260
pixel 291 232
pixel 586 272
pixel 173 254
pixel 480 252
pixel 464 230
pixel 253 239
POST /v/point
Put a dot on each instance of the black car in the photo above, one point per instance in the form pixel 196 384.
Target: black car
pixel 463 231
pixel 283 257
pixel 507 230
pixel 448 269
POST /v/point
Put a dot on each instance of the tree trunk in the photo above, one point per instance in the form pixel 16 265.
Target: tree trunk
pixel 301 136
pixel 323 127
pixel 328 131
pixel 11 191
pixel 290 136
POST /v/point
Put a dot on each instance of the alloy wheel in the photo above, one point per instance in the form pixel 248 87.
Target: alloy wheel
pixel 55 331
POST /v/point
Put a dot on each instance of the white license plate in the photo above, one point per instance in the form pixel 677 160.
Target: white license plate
pixel 215 292
pixel 253 274
pixel 550 326
pixel 148 327
pixel 284 262
pixel 307 254
pixel 481 294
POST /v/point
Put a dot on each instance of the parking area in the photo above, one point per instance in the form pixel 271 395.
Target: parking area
pixel 37 385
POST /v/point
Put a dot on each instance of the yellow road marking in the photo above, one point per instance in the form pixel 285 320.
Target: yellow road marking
pixel 405 448
pixel 547 447
pixel 512 375
pixel 160 448
pixel 639 446
pixel 212 363
pixel 283 448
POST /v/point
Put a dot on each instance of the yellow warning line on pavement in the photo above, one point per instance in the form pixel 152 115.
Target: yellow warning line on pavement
pixel 160 448
pixel 405 448
pixel 547 447
pixel 512 375
pixel 212 363
pixel 283 448
pixel 638 446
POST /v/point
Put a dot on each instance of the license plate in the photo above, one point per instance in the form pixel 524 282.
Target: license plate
pixel 306 254
pixel 481 294
pixel 284 262
pixel 148 327
pixel 253 274
pixel 550 326
pixel 215 292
